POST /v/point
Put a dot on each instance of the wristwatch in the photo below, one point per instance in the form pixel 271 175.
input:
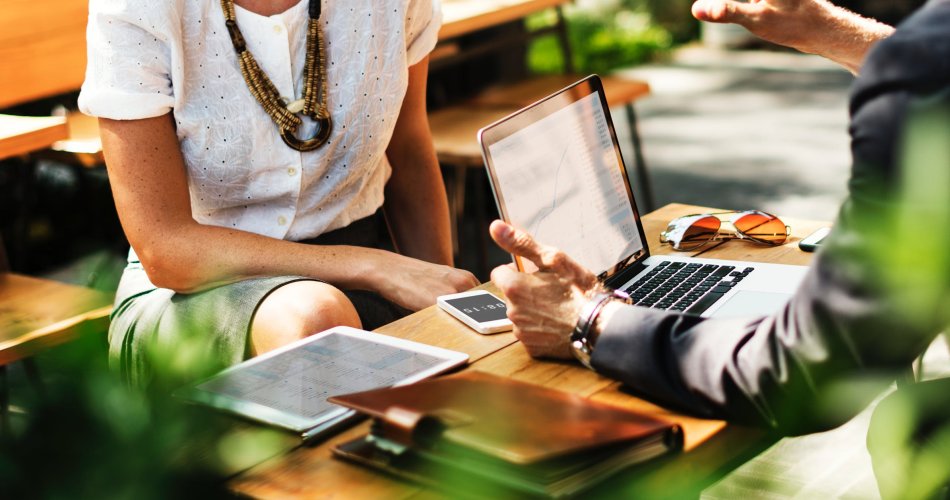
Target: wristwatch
pixel 583 337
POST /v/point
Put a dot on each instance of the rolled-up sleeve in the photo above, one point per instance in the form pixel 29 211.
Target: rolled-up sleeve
pixel 128 73
pixel 423 22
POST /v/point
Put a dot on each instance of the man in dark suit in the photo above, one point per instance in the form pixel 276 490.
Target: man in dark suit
pixel 875 297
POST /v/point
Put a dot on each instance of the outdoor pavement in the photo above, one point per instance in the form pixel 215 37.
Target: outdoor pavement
pixel 746 129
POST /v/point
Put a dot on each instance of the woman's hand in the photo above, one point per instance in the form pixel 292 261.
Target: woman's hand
pixel 414 284
pixel 543 306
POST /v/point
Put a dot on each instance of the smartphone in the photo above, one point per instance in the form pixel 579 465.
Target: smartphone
pixel 482 311
pixel 811 242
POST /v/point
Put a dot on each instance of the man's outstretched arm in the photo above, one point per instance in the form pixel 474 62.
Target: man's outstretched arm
pixel 812 26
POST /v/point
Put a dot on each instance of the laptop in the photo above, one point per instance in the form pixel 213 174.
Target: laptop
pixel 556 171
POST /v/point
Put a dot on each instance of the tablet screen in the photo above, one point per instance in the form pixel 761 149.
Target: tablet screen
pixel 289 387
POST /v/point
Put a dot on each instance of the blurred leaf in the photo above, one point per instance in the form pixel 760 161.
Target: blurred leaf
pixel 601 41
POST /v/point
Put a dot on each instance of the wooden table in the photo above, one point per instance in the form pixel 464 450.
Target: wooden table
pixel 42 49
pixel 461 17
pixel 36 314
pixel 711 446
pixel 25 134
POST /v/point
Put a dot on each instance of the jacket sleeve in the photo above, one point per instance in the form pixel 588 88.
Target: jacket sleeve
pixel 863 312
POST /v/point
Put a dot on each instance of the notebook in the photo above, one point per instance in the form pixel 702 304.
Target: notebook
pixel 556 171
pixel 481 435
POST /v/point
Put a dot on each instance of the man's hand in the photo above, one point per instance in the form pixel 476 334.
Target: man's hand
pixel 785 22
pixel 543 306
pixel 813 26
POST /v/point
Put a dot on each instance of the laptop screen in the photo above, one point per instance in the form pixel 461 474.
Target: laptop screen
pixel 558 174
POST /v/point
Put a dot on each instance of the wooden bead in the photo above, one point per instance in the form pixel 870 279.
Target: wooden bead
pixel 284 115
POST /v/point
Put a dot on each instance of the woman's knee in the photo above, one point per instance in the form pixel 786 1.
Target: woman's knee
pixel 298 310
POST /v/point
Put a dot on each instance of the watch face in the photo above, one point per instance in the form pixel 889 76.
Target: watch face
pixel 482 307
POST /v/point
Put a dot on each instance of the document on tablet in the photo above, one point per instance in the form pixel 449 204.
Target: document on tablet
pixel 289 387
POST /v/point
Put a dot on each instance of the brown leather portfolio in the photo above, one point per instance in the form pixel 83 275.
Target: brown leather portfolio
pixel 476 428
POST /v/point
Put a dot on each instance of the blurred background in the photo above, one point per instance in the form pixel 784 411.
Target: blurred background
pixel 721 119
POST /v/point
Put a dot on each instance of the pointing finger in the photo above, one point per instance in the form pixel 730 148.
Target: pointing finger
pixel 722 11
pixel 516 241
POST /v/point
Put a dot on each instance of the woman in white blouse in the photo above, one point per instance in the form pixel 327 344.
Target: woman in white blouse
pixel 215 203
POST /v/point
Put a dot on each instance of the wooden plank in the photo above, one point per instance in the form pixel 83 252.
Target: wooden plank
pixel 36 314
pixel 514 362
pixel 618 90
pixel 455 130
pixel 42 49
pixel 460 17
pixel 25 134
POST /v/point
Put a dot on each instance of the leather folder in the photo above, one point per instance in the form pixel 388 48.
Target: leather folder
pixel 478 433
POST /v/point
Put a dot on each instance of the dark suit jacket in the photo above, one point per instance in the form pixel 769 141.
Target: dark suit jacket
pixel 864 311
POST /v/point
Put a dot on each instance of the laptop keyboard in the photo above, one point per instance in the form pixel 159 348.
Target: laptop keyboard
pixel 688 287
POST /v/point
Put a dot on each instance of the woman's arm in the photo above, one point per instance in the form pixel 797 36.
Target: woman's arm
pixel 416 206
pixel 150 187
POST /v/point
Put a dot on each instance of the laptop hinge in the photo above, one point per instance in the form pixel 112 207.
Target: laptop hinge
pixel 625 274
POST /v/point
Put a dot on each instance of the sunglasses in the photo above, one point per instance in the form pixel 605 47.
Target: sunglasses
pixel 693 231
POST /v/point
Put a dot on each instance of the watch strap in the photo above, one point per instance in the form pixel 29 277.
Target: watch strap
pixel 581 346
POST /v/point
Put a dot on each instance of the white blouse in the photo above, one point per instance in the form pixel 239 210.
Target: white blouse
pixel 149 57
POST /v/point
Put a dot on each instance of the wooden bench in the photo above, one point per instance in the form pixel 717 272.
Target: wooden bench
pixel 42 49
pixel 37 314
pixel 43 54
pixel 20 135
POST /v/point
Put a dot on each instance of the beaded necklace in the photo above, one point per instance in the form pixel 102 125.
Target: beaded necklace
pixel 314 101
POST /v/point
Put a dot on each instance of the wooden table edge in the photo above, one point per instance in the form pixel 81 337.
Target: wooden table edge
pixel 453 28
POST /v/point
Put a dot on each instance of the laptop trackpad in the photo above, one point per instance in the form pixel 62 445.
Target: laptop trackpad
pixel 747 303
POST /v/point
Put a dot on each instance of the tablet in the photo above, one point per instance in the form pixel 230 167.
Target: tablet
pixel 289 387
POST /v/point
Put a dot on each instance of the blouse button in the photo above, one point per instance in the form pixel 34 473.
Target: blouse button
pixel 291 171
pixel 281 221
pixel 277 29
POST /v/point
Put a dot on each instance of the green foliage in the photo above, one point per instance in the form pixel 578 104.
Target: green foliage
pixel 674 16
pixel 601 41
pixel 88 434
pixel 911 430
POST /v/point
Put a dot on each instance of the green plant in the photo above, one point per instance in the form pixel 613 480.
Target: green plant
pixel 674 16
pixel 601 41
pixel 88 434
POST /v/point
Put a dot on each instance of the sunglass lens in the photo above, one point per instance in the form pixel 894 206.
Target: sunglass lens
pixel 762 227
pixel 699 233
